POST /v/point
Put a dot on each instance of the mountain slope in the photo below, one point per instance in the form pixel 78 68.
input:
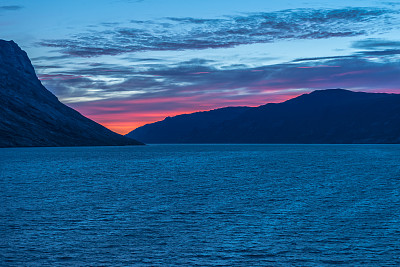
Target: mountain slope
pixel 323 116
pixel 30 115
pixel 181 128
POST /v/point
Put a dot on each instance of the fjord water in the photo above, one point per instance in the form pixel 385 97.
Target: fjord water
pixel 269 205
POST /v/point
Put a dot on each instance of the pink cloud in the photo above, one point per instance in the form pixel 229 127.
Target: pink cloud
pixel 352 73
pixel 318 66
pixel 201 72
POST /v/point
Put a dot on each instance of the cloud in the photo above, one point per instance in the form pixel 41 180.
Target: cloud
pixel 377 47
pixel 391 3
pixel 11 8
pixel 321 58
pixel 137 97
pixel 199 79
pixel 143 97
pixel 50 58
pixel 387 52
pixel 175 34
pixel 374 44
pixel 152 89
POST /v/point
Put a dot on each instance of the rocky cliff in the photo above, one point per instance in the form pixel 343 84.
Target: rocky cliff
pixel 30 115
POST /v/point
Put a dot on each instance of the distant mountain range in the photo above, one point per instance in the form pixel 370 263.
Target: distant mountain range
pixel 331 116
pixel 32 116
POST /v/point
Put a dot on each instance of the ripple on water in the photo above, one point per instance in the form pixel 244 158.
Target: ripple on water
pixel 265 205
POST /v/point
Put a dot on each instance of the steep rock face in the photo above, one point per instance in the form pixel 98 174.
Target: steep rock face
pixel 30 115
pixel 323 116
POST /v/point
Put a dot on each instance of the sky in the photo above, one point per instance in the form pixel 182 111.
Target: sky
pixel 125 63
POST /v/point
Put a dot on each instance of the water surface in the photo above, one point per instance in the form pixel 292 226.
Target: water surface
pixel 269 205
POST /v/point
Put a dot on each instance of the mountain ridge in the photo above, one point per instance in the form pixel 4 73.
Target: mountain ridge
pixel 322 116
pixel 31 116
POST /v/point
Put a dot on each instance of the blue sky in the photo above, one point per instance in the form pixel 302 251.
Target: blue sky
pixel 126 63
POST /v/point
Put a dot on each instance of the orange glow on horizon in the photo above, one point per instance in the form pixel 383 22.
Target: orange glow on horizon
pixel 124 127
pixel 122 121
pixel 125 123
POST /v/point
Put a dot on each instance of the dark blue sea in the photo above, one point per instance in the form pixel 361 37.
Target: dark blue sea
pixel 201 205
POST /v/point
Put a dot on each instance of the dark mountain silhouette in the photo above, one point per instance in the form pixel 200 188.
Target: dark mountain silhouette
pixel 323 116
pixel 32 116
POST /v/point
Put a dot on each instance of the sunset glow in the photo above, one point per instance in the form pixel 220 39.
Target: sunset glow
pixel 129 63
